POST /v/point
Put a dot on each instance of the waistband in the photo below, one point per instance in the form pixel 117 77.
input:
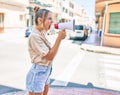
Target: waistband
pixel 36 66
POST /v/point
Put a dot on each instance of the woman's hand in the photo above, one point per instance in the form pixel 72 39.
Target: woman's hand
pixel 54 49
pixel 62 34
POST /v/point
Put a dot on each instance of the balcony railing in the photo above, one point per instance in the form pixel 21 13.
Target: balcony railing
pixel 40 3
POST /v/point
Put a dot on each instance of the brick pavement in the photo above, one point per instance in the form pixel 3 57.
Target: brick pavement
pixel 72 91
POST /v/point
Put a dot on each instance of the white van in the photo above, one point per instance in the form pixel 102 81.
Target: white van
pixel 79 33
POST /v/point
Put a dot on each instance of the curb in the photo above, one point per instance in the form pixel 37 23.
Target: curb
pixel 100 49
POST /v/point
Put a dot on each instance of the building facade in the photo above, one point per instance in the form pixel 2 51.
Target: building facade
pixel 20 14
pixel 12 14
pixel 109 22
pixel 111 35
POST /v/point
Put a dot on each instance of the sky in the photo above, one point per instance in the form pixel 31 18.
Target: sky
pixel 89 6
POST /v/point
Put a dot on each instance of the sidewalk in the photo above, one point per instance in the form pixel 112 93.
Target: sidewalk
pixel 93 44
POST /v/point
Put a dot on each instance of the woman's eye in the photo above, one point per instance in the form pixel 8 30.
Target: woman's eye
pixel 50 18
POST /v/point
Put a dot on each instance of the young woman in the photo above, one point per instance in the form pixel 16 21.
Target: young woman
pixel 41 53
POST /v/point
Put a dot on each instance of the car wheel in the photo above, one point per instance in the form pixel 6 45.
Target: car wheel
pixel 85 37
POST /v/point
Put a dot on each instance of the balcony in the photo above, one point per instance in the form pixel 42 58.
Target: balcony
pixel 40 3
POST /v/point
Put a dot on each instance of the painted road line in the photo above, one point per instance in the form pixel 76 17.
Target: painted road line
pixel 66 75
pixel 111 70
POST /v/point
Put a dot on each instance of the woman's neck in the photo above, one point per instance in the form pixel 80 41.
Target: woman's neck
pixel 42 31
pixel 38 28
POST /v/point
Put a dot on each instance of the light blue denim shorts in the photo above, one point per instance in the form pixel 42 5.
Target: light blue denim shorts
pixel 37 78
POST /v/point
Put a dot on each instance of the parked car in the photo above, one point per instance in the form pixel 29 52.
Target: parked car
pixel 89 29
pixel 80 33
pixel 28 31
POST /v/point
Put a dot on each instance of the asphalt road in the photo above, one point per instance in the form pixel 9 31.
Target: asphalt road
pixel 71 67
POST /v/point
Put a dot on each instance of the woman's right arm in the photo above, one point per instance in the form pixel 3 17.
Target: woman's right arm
pixel 51 54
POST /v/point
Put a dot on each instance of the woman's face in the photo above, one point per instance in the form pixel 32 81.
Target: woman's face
pixel 48 21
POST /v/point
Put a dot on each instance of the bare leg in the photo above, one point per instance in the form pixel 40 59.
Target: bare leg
pixel 32 93
pixel 46 90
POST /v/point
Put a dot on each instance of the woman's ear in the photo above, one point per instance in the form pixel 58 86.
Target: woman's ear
pixel 39 20
pixel 40 23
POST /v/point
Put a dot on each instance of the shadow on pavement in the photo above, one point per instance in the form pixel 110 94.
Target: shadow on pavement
pixel 75 85
pixel 79 42
pixel 7 89
pixel 72 88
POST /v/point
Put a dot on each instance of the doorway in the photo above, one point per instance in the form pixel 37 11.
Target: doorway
pixel 1 22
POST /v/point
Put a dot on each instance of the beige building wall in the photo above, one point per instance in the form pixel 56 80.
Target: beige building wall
pixel 56 9
pixel 13 14
pixel 100 22
pixel 111 39
pixel 78 14
pixel 14 19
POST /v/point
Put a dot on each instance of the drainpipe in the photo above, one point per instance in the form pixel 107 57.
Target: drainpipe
pixel 103 25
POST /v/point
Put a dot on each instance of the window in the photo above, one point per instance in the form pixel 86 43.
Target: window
pixel 71 5
pixel 63 9
pixel 21 17
pixel 114 23
pixel 66 10
pixel 70 14
pixel 1 20
pixel 32 1
pixel 79 27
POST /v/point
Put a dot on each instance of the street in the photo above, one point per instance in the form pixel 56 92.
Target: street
pixel 71 66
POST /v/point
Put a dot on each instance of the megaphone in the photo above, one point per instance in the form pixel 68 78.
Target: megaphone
pixel 66 25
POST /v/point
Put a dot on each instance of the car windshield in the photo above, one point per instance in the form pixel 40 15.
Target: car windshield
pixel 79 27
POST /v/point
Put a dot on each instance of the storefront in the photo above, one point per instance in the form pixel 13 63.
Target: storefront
pixel 111 36
pixel 108 21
